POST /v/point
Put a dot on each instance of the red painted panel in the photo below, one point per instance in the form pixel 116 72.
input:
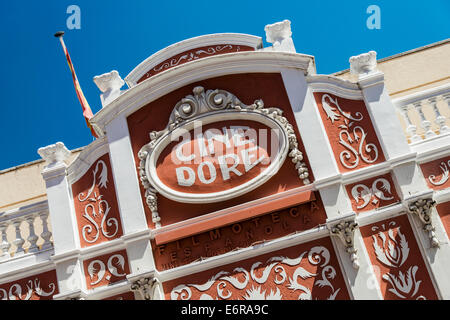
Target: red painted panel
pixel 444 212
pixel 247 87
pixel 96 207
pixel 372 193
pixel 193 54
pixel 436 173
pixel 42 286
pixel 203 165
pixel 397 260
pixel 306 271
pixel 122 296
pixel 350 131
pixel 239 235
pixel 106 269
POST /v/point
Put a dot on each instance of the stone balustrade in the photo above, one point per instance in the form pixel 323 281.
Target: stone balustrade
pixel 24 231
pixel 426 114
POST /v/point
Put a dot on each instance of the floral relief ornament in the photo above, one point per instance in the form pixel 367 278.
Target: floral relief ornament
pixel 445 174
pixel 375 193
pixel 393 251
pixel 97 269
pixel 32 286
pixel 96 202
pixel 351 135
pixel 255 282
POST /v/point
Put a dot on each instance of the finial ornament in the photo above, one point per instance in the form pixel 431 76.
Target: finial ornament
pixel 54 153
pixel 110 84
pixel 280 35
pixel 364 63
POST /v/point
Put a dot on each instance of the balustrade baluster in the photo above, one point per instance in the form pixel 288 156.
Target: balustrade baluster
pixel 425 124
pixel 440 120
pixel 46 234
pixel 32 238
pixel 19 241
pixel 5 245
pixel 411 128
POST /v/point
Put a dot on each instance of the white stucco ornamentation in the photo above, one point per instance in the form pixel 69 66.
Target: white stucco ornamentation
pixel 357 148
pixel 209 107
pixel 54 153
pixel 33 286
pixel 345 230
pixel 393 251
pixel 375 193
pixel 147 288
pixel 110 84
pixel 279 34
pixel 444 177
pixel 97 268
pixel 278 272
pixel 364 63
pixel 422 209
pixel 95 206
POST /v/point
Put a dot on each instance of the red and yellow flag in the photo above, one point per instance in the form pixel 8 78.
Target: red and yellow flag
pixel 87 112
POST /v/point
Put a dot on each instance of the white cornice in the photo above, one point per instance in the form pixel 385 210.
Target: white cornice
pixel 189 44
pixel 86 158
pixel 334 85
pixel 232 63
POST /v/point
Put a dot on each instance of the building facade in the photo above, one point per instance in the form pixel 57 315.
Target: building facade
pixel 229 170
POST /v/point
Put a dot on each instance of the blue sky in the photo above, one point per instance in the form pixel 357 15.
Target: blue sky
pixel 39 105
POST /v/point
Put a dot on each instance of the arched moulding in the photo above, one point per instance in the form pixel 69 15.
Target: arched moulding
pixel 205 108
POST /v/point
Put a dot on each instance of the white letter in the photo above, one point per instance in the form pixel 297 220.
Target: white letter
pixel 225 169
pixel 182 181
pixel 246 157
pixel 179 151
pixel 73 21
pixel 238 134
pixel 374 21
pixel 212 172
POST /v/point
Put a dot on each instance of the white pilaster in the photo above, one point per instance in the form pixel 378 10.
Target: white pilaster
pixel 136 233
pixel 312 133
pixel 62 218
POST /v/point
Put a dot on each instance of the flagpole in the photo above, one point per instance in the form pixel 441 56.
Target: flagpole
pixel 87 112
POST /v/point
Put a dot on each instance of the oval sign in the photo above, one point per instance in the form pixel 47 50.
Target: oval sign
pixel 217 157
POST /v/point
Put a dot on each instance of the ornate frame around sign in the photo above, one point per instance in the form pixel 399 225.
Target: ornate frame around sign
pixel 191 108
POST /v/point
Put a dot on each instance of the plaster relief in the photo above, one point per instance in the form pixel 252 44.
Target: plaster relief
pixel 39 287
pixel 96 204
pixel 436 173
pixel 350 132
pixel 239 235
pixel 191 55
pixel 397 260
pixel 106 269
pixel 306 272
pixel 372 193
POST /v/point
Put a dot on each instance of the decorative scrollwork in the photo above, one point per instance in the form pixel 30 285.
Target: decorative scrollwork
pixel 199 103
pixel 422 209
pixel 345 230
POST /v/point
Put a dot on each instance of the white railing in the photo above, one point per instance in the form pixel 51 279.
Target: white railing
pixel 426 114
pixel 24 230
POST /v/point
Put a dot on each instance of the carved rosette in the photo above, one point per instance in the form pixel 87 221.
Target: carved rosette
pixel 422 209
pixel 146 287
pixel 200 103
pixel 345 230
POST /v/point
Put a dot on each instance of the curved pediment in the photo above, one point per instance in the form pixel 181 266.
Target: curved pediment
pixel 190 50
